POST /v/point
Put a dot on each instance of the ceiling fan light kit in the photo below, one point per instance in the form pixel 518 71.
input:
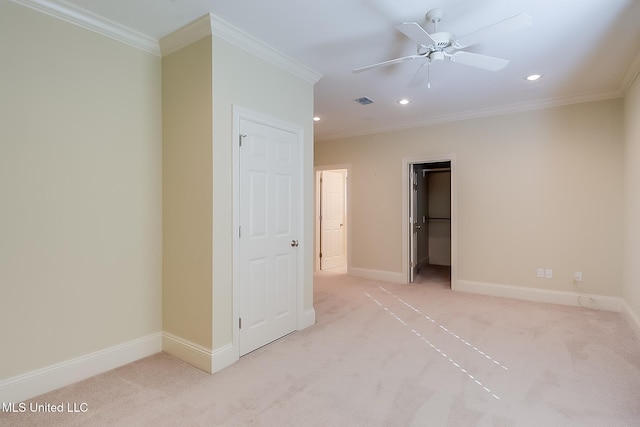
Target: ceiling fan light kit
pixel 436 57
pixel 437 46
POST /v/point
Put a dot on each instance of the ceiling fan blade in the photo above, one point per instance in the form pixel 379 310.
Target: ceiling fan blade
pixel 510 24
pixel 479 61
pixel 421 75
pixel 415 32
pixel 385 63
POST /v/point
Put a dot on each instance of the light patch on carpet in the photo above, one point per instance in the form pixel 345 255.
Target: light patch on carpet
pixel 465 342
pixel 433 347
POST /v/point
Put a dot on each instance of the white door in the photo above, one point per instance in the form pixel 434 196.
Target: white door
pixel 269 197
pixel 414 225
pixel 332 212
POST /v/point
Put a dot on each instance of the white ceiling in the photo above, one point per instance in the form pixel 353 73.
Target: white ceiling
pixel 585 50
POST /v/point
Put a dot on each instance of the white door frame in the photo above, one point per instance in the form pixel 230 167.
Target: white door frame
pixel 240 113
pixel 406 227
pixel 318 169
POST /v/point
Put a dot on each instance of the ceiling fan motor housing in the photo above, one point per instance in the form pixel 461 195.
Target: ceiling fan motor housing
pixel 435 51
pixel 443 40
pixel 437 56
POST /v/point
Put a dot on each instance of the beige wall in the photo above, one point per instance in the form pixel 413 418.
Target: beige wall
pixel 242 79
pixel 534 189
pixel 202 83
pixel 631 290
pixel 80 192
pixel 187 193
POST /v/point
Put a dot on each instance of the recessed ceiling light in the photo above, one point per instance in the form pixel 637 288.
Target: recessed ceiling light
pixel 534 77
pixel 316 119
pixel 403 101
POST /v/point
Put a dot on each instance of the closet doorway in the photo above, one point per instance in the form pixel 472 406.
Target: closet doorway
pixel 430 219
pixel 331 224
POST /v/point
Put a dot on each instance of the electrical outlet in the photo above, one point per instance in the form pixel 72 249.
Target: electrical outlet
pixel 577 276
pixel 548 273
pixel 540 273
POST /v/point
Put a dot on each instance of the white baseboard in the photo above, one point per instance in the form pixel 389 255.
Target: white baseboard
pixel 35 383
pixel 187 351
pixel 537 295
pixel 308 319
pixel 216 360
pixel 632 317
pixel 225 356
pixel 385 276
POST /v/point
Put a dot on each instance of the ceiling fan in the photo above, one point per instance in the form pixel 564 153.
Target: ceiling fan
pixel 438 46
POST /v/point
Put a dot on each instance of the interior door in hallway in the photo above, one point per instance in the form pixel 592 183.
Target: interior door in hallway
pixel 333 225
pixel 268 244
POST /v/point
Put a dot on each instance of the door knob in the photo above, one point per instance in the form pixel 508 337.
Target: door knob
pixel 294 243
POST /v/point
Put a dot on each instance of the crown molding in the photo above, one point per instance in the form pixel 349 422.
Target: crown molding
pixel 482 113
pixel 184 36
pixel 83 18
pixel 212 25
pixel 234 35
pixel 630 75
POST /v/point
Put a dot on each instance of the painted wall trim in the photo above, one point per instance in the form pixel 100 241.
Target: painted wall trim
pixel 632 317
pixel 407 163
pixel 187 351
pixel 89 21
pixel 538 295
pixel 385 276
pixel 228 354
pixel 232 34
pixel 307 319
pixel 186 35
pixel 35 383
pixel 225 356
pixel 632 72
pixel 211 24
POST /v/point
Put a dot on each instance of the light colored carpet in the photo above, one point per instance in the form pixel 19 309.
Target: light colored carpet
pixel 385 354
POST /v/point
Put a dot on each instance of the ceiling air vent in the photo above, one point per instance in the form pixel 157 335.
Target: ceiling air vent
pixel 364 101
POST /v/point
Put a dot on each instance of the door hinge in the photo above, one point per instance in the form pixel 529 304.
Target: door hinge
pixel 320 254
pixel 239 322
pixel 239 231
pixel 242 136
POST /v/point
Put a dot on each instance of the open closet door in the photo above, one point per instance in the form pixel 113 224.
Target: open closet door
pixel 414 226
